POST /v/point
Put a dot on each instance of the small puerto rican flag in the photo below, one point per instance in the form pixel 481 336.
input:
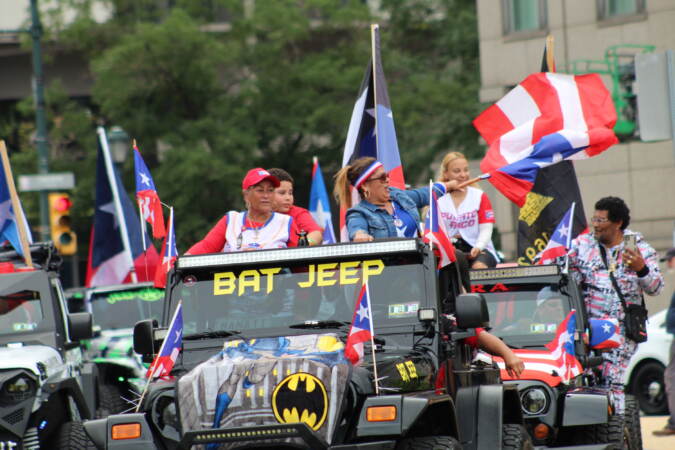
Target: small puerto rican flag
pixel 559 243
pixel 362 328
pixel 166 358
pixel 146 195
pixel 604 333
pixel 169 254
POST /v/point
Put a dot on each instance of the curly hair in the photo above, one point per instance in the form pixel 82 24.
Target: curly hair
pixel 617 210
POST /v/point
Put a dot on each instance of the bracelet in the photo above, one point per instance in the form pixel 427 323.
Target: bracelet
pixel 311 241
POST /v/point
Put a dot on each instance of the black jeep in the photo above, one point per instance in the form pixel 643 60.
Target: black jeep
pixel 526 305
pixel 263 358
pixel 45 387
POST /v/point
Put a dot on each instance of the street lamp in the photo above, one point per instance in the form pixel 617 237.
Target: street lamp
pixel 119 145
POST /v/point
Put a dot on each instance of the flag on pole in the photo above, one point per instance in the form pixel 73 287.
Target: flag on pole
pixel 169 254
pixel 605 333
pixel 362 328
pixel 146 196
pixel 371 128
pixel 10 228
pixel 168 354
pixel 436 234
pixel 557 364
pixel 560 241
pixel 110 259
pixel 319 204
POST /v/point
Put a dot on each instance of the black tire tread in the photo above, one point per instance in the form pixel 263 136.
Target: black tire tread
pixel 515 437
pixel 429 443
pixel 632 414
pixel 72 436
pixel 110 400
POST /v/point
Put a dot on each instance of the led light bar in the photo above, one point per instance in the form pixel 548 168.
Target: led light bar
pixel 299 253
pixel 514 272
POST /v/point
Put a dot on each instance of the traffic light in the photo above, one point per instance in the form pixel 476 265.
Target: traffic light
pixel 64 238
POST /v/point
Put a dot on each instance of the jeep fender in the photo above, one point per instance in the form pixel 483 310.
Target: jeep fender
pixel 89 379
pixel 585 407
pixel 480 410
pixel 71 387
pixel 100 432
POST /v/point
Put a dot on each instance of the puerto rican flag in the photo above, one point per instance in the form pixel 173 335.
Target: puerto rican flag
pixel 146 195
pixel 605 333
pixel 362 328
pixel 319 204
pixel 560 241
pixel 371 128
pixel 168 354
pixel 557 364
pixel 436 235
pixel 169 254
pixel 549 117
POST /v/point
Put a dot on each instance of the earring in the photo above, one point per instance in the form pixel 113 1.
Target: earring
pixel 366 194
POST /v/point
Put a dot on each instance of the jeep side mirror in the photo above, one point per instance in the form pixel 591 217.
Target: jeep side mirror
pixel 80 326
pixel 471 311
pixel 144 337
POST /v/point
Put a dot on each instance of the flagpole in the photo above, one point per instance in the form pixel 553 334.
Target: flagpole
pixel 16 205
pixel 431 211
pixel 372 340
pixel 116 199
pixel 569 238
pixel 373 29
pixel 484 176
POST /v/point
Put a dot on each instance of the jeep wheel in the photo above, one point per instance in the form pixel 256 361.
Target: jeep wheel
pixel 515 437
pixel 73 437
pixel 429 443
pixel 633 420
pixel 110 401
pixel 648 386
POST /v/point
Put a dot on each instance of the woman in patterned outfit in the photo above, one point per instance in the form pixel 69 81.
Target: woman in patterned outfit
pixel 636 272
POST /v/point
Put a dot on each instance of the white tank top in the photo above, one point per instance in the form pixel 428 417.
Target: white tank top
pixel 273 234
pixel 464 219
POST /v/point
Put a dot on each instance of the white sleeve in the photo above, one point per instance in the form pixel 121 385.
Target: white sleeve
pixel 484 235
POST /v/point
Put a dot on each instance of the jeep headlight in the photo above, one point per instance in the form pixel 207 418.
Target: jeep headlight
pixel 534 400
pixel 18 389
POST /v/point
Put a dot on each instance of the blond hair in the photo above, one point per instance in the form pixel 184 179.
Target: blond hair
pixel 447 159
pixel 346 177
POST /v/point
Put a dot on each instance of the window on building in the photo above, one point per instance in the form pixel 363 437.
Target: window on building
pixel 608 9
pixel 524 15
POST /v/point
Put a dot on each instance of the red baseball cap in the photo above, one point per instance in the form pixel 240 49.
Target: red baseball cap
pixel 255 176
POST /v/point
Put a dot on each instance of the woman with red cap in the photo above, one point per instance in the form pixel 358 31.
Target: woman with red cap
pixel 259 227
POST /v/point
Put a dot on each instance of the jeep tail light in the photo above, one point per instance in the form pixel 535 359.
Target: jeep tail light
pixel 126 431
pixel 381 413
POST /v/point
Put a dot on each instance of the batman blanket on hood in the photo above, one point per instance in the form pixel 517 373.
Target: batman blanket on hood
pixel 267 381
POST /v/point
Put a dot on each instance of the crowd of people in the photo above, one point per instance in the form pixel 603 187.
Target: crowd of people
pixel 613 273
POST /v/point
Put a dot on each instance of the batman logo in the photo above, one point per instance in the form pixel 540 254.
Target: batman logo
pixel 300 397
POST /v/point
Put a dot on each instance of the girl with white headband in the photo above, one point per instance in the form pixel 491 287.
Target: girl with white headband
pixel 383 211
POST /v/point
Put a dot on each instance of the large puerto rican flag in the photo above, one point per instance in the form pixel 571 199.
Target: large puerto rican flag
pixel 362 328
pixel 168 354
pixel 110 260
pixel 557 364
pixel 146 195
pixel 319 204
pixel 547 118
pixel 371 129
pixel 560 240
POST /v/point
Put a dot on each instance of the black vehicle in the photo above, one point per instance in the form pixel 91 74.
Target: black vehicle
pixel 45 387
pixel 526 306
pixel 263 358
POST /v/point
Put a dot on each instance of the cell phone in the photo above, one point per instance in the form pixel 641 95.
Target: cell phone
pixel 629 241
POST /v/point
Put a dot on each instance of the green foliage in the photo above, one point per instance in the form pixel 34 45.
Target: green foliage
pixel 272 88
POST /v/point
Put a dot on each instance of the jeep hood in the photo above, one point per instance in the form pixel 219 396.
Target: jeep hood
pixel 267 382
pixel 43 361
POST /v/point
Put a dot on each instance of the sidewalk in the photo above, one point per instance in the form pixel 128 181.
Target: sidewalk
pixel 651 442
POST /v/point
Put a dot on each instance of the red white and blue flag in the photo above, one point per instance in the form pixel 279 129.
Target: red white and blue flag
pixel 560 240
pixel 605 333
pixel 110 260
pixel 9 223
pixel 169 254
pixel 436 234
pixel 319 204
pixel 146 195
pixel 168 354
pixel 362 328
pixel 549 117
pixel 371 129
pixel 557 364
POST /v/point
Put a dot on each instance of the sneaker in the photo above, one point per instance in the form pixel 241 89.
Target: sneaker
pixel 665 431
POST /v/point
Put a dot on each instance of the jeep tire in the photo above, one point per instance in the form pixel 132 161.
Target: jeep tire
pixel 72 436
pixel 632 415
pixel 429 443
pixel 514 437
pixel 110 400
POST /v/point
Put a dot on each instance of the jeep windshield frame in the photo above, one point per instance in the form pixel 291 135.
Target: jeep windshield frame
pixel 525 311
pixel 272 298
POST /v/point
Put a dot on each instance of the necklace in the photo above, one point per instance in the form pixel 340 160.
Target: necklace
pixel 248 225
pixel 397 220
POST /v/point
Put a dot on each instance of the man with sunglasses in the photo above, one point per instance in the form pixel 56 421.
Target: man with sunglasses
pixel 601 262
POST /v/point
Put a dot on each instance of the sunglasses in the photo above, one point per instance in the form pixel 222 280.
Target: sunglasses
pixel 382 178
pixel 599 220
